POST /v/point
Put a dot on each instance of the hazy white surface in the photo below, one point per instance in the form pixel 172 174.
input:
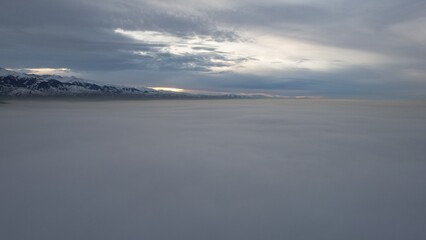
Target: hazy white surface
pixel 223 169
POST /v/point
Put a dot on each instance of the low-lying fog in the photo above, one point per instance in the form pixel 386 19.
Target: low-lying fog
pixel 213 169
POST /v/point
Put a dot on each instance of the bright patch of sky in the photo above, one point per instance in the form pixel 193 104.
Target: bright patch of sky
pixel 46 71
pixel 261 52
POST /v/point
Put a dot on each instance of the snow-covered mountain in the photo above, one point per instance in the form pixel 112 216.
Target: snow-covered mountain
pixel 16 84
pixel 21 84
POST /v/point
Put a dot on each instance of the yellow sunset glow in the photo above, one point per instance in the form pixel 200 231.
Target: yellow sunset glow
pixel 170 89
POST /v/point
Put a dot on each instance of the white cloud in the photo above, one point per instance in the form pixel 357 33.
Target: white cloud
pixel 262 52
pixel 279 53
pixel 216 52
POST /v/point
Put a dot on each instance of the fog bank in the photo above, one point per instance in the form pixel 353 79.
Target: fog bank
pixel 222 169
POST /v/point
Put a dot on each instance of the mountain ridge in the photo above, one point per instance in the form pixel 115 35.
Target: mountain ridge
pixel 21 85
pixel 15 84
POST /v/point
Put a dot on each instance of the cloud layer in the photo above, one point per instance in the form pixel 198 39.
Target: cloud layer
pixel 331 48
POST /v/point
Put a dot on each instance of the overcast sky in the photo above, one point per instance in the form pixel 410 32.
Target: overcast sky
pixel 291 47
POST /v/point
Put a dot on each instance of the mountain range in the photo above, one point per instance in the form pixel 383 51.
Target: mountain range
pixel 21 84
pixel 17 84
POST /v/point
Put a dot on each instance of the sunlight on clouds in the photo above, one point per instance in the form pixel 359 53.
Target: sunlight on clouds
pixel 276 53
pixel 261 54
pixel 50 71
pixel 210 51
pixel 142 53
pixel 45 71
pixel 169 89
pixel 148 36
pixel 173 44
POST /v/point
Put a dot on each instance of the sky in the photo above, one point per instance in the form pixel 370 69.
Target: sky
pixel 336 48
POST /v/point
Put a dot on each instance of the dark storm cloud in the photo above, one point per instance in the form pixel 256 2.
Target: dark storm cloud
pixel 81 35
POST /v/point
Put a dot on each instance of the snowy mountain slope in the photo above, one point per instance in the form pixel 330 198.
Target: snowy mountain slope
pixel 16 84
pixel 21 84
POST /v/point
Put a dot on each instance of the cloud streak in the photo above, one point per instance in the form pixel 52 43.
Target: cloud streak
pixel 197 53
